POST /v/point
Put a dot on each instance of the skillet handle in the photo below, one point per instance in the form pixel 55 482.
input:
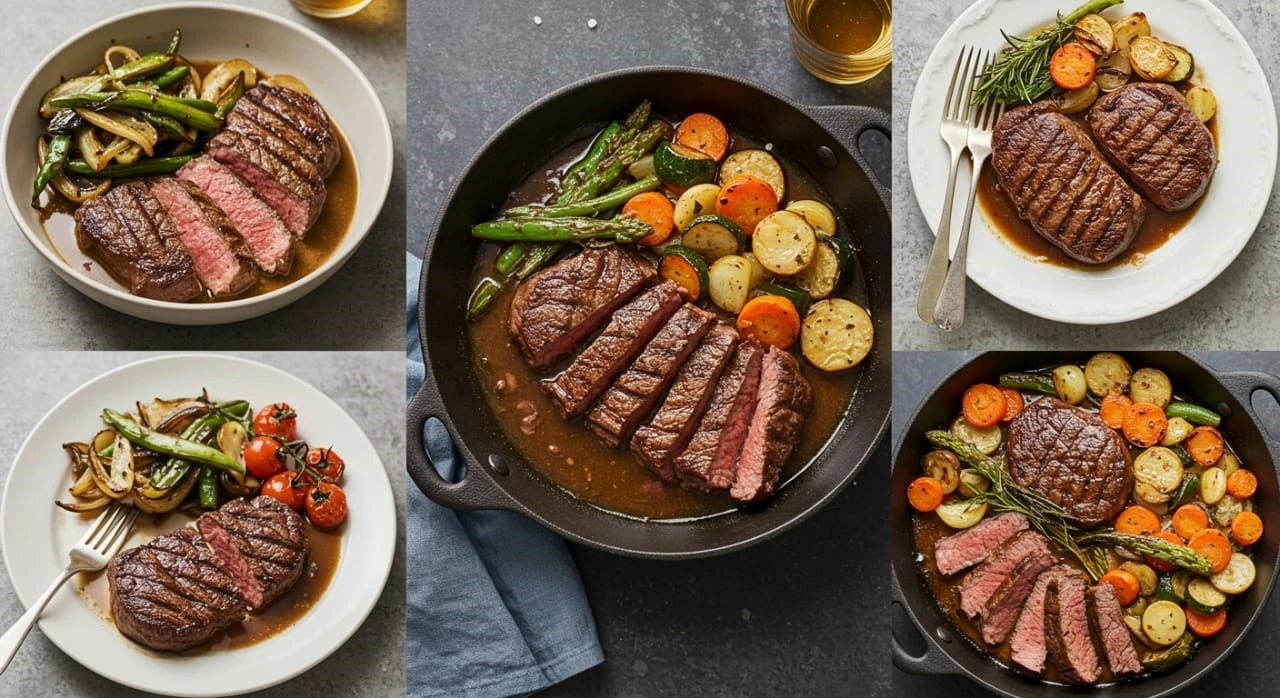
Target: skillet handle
pixel 847 123
pixel 932 662
pixel 476 490
pixel 1243 384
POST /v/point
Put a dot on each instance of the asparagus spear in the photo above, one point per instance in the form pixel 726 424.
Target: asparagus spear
pixel 568 229
pixel 600 147
pixel 55 161
pixel 189 112
pixel 612 167
pixel 604 202
pixel 142 168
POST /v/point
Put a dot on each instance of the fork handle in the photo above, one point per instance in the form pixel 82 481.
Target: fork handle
pixel 936 270
pixel 949 315
pixel 13 637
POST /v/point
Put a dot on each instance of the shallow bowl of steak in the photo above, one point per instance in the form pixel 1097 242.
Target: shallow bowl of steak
pixel 219 255
pixel 261 543
pixel 1071 457
pixel 1148 131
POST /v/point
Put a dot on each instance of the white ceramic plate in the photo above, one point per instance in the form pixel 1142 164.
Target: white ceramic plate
pixel 209 31
pixel 36 535
pixel 1194 256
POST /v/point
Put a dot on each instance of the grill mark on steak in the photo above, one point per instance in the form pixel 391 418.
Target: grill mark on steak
pixel 267 535
pixel 710 460
pixel 304 116
pixel 978 586
pixel 960 551
pixel 1106 616
pixel 783 401
pixel 294 190
pixel 1067 635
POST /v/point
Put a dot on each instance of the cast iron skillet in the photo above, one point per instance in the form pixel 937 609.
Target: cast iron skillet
pixel 821 140
pixel 946 651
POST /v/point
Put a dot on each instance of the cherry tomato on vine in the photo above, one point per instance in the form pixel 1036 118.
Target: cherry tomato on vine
pixel 327 463
pixel 277 419
pixel 264 456
pixel 326 505
pixel 281 486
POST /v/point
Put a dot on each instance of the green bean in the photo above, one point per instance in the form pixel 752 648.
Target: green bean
pixel 1037 382
pixel 613 199
pixel 197 113
pixel 535 258
pixel 172 470
pixel 171 77
pixel 55 161
pixel 208 488
pixel 482 297
pixel 169 445
pixel 228 102
pixel 168 124
pixel 134 70
pixel 175 42
pixel 1193 413
pixel 141 168
pixel 509 258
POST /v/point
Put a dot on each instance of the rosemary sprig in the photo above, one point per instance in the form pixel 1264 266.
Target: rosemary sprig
pixel 1021 72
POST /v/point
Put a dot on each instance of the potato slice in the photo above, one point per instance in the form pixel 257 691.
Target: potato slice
pixel 1107 373
pixel 1113 72
pixel 1163 623
pixel 1158 467
pixel 1151 385
pixel 817 213
pixel 1203 104
pixel 1150 58
pixel 1094 32
pixel 1179 429
pixel 1077 101
pixel 985 439
pixel 1128 28
pixel 1213 486
pixel 729 282
pixel 836 334
pixel 757 163
pixel 1237 576
pixel 784 242
pixel 698 200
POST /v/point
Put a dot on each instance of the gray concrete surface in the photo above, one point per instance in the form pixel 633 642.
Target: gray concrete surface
pixel 368 385
pixel 1236 311
pixel 43 312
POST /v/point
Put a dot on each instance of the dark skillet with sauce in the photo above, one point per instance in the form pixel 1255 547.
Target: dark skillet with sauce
pixel 948 649
pixel 816 141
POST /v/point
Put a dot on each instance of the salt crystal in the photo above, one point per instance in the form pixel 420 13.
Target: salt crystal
pixel 591 23
pixel 537 20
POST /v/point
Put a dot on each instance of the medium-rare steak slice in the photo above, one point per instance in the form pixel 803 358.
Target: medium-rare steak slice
pixel 635 392
pixel 1148 131
pixel 218 253
pixel 170 594
pixel 1107 618
pixel 1071 457
pixel 1062 185
pixel 558 307
pixel 1027 644
pixel 293 188
pixel 296 118
pixel 261 543
pixel 1006 603
pixel 626 335
pixel 782 404
pixel 671 427
pixel 130 233
pixel 978 586
pixel 266 236
pixel 711 458
pixel 1066 631
pixel 960 551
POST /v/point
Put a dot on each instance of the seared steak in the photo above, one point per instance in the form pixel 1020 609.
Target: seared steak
pixel 967 548
pixel 782 404
pixel 1148 131
pixel 260 543
pixel 171 594
pixel 293 188
pixel 129 232
pixel 1027 644
pixel 1066 628
pixel 264 233
pixel 1107 617
pixel 1006 603
pixel 295 118
pixel 711 458
pixel 1071 457
pixel 979 585
pixel 635 392
pixel 626 335
pixel 1062 185
pixel 221 259
pixel 558 307
pixel 671 427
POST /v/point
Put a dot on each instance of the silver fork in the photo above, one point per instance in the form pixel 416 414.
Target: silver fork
pixel 955 131
pixel 100 543
pixel 949 314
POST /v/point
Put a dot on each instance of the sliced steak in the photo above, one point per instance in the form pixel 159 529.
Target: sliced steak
pixel 626 335
pixel 634 393
pixel 1148 131
pixel 711 458
pixel 171 594
pixel 296 118
pixel 129 232
pixel 261 543
pixel 1062 185
pixel 293 188
pixel 671 427
pixel 1066 631
pixel 782 404
pixel 1071 457
pixel 266 236
pixel 1005 605
pixel 218 253
pixel 960 551
pixel 1107 617
pixel 1027 644
pixel 558 307
pixel 979 585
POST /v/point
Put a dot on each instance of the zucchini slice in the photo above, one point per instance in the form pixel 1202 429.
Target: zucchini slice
pixel 758 163
pixel 1237 576
pixel 713 237
pixel 837 334
pixel 822 277
pixel 1179 581
pixel 784 242
pixel 730 283
pixel 798 297
pixel 698 200
pixel 1186 64
pixel 1203 596
pixel 686 268
pixel 682 167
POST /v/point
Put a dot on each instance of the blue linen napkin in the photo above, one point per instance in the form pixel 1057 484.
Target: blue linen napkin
pixel 495 604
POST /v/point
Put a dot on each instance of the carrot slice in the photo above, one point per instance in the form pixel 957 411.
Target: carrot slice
pixel 1168 537
pixel 706 133
pixel 655 209
pixel 1205 445
pixel 772 320
pixel 1114 406
pixel 984 405
pixel 1189 519
pixel 1126 584
pixel 1205 624
pixel 1247 528
pixel 924 493
pixel 1137 521
pixel 1144 424
pixel 1013 404
pixel 1072 67
pixel 1242 484
pixel 1214 545
pixel 746 201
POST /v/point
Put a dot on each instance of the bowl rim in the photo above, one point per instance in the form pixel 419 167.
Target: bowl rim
pixel 76 279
